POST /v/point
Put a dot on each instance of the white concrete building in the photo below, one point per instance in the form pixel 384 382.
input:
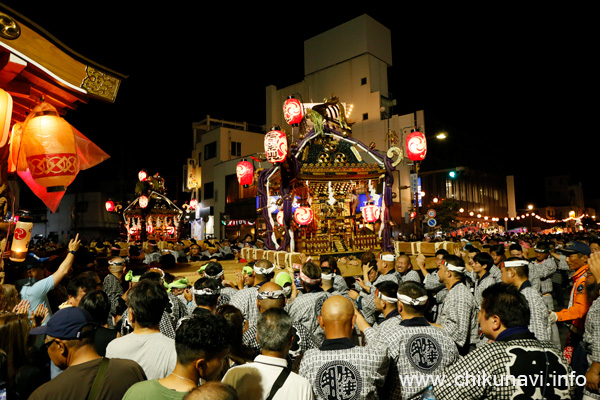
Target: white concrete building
pixel 218 147
pixel 349 62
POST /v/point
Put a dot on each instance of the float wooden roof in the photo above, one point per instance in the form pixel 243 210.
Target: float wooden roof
pixel 35 65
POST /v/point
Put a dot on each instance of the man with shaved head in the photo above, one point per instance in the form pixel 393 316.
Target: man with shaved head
pixel 271 295
pixel 339 366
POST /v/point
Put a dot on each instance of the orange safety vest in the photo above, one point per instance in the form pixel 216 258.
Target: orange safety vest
pixel 578 304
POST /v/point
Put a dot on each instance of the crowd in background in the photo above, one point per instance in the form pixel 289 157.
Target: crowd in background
pixel 72 312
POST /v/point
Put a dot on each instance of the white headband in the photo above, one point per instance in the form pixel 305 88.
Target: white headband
pixel 275 294
pixel 113 262
pixel 220 274
pixel 308 280
pixel 385 298
pixel 419 301
pixel 263 271
pixel 205 292
pixel 387 257
pixel 454 268
pixel 158 270
pixel 516 263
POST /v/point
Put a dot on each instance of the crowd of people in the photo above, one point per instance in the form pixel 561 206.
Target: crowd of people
pixel 497 318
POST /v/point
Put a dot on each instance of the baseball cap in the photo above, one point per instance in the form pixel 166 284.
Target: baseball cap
pixel 67 323
pixel 33 261
pixel 282 278
pixel 576 247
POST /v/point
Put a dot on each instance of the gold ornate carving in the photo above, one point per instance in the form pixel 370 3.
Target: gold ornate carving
pixel 101 84
pixel 9 28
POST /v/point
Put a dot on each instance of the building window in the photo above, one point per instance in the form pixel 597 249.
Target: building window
pixel 363 81
pixel 365 116
pixel 210 150
pixel 236 149
pixel 209 190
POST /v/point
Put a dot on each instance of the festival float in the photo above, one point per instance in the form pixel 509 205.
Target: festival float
pixel 152 215
pixel 325 192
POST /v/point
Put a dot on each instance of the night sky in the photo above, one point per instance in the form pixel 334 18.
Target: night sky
pixel 513 88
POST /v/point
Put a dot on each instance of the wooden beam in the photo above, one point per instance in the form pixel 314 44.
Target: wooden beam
pixel 67 68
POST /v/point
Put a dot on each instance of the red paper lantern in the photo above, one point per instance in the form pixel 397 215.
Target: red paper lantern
pixel 50 149
pixel 370 212
pixel 110 206
pixel 276 148
pixel 245 173
pixel 280 218
pixel 142 175
pixel 416 146
pixel 143 201
pixel 303 215
pixel 193 204
pixel 292 111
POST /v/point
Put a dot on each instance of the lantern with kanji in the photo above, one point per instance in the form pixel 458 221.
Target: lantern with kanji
pixel 245 173
pixel 142 175
pixel 292 111
pixel 193 204
pixel 416 146
pixel 21 237
pixel 50 149
pixel 370 212
pixel 143 201
pixel 303 215
pixel 110 206
pixel 276 148
pixel 280 218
